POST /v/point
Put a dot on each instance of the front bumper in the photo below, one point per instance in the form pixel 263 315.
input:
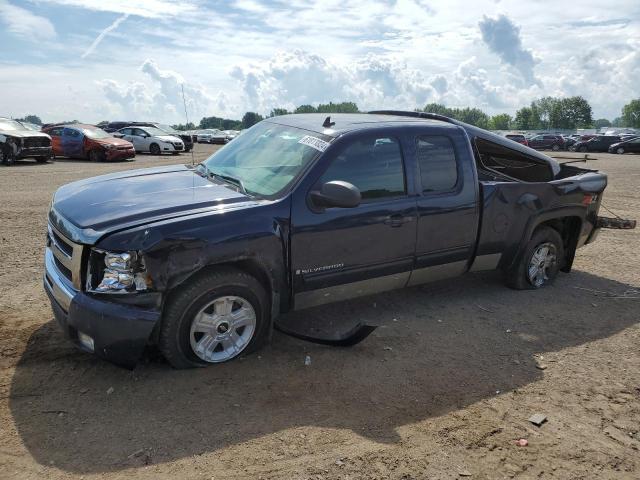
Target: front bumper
pixel 119 331
pixel 116 154
pixel 34 152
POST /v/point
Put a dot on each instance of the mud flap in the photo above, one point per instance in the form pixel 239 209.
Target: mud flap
pixel 616 223
pixel 347 339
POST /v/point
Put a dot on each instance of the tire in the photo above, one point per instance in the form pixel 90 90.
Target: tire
pixel 200 296
pixel 175 153
pixel 520 276
pixel 154 149
pixel 620 151
pixel 555 147
pixel 96 155
pixel 584 149
pixel 42 159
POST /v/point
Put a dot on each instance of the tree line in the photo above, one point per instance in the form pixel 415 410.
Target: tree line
pixel 542 114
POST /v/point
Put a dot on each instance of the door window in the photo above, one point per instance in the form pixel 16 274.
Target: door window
pixel 125 131
pixel 437 163
pixel 373 165
pixel 55 132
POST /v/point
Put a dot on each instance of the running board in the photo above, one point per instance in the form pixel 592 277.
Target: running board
pixel 616 223
pixel 348 339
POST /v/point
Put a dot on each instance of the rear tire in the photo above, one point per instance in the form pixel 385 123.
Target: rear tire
pixel 197 299
pixel 537 268
pixel 154 149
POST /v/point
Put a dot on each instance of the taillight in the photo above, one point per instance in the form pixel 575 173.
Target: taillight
pixel 589 198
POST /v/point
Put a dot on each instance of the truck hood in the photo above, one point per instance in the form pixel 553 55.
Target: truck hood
pixel 89 209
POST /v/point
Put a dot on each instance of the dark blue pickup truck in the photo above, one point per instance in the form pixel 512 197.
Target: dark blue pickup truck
pixel 298 211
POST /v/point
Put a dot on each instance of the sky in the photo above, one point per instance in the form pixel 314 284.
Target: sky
pixel 96 60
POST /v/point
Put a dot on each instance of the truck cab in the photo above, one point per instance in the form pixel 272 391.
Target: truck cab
pixel 299 211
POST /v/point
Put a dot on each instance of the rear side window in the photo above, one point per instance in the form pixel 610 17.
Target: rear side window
pixel 55 132
pixel 514 164
pixel 437 163
pixel 374 165
pixel 69 132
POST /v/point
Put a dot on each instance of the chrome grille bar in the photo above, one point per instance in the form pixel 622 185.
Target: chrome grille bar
pixel 60 248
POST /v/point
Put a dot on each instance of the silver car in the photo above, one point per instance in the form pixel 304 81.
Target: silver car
pixel 151 139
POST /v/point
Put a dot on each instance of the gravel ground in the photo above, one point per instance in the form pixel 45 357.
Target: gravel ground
pixel 441 391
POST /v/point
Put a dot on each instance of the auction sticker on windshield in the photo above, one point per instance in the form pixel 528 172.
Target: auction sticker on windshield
pixel 314 142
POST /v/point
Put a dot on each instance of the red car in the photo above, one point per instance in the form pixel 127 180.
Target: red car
pixel 86 141
pixel 516 137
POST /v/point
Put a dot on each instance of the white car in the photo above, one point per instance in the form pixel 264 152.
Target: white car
pixel 151 139
pixel 212 135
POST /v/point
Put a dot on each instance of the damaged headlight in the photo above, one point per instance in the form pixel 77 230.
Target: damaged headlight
pixel 111 272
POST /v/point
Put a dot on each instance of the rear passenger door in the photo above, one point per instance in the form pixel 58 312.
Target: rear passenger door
pixel 340 253
pixel 72 143
pixel 448 211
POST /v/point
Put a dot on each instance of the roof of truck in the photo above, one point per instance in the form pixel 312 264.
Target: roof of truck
pixel 345 122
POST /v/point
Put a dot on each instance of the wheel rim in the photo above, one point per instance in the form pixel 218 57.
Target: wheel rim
pixel 620 151
pixel 155 150
pixel 555 148
pixel 222 329
pixel 542 261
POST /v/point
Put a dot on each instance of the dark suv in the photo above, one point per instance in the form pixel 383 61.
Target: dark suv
pixel 547 142
pixel 600 143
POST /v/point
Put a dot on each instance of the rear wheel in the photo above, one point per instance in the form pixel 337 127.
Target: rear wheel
pixel 540 262
pixel 213 319
pixel 620 150
pixel 154 149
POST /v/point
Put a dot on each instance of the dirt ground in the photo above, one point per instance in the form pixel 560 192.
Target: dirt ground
pixel 441 391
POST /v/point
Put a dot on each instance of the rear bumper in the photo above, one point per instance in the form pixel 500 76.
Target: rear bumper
pixel 119 332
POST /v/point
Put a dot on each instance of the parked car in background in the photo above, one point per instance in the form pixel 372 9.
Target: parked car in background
pixel 17 141
pixel 547 142
pixel 212 135
pixel 88 141
pixel 184 136
pixel 628 146
pixel 568 141
pixel 518 137
pixel 599 143
pixel 628 136
pixel 231 134
pixel 31 126
pixel 152 140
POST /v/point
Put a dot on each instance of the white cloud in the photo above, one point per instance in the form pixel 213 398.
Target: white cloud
pixel 141 8
pixel 104 33
pixel 22 23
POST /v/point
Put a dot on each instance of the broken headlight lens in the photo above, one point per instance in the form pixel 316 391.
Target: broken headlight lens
pixel 111 272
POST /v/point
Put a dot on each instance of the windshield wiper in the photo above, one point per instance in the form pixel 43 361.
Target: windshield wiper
pixel 227 178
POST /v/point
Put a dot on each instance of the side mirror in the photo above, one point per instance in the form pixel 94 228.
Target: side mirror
pixel 336 193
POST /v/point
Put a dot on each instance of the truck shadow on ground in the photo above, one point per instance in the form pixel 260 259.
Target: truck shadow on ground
pixel 451 344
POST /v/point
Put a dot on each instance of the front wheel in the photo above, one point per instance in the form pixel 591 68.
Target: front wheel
pixel 620 150
pixel 214 318
pixel 154 149
pixel 96 156
pixel 555 147
pixel 540 263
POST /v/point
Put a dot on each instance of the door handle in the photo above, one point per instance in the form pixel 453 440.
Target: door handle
pixel 396 221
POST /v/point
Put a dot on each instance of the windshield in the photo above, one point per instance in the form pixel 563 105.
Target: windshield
pixel 168 129
pixel 11 125
pixel 95 133
pixel 267 158
pixel 154 132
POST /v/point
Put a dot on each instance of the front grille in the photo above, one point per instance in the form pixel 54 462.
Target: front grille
pixel 67 256
pixel 178 146
pixel 124 147
pixel 36 142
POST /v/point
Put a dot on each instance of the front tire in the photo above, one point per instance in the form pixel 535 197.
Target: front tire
pixel 214 318
pixel 154 149
pixel 555 147
pixel 96 156
pixel 540 263
pixel 620 150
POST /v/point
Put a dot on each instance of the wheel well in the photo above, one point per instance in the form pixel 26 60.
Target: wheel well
pixel 569 229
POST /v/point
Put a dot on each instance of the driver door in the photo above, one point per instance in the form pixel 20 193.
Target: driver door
pixel 341 253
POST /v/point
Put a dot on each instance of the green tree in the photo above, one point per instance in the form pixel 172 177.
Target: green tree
pixel 602 122
pixel 569 113
pixel 502 121
pixel 542 111
pixel 276 112
pixel 31 119
pixel 524 119
pixel 249 119
pixel 617 122
pixel 631 114
pixel 437 108
pixel 343 107
pixel 305 109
